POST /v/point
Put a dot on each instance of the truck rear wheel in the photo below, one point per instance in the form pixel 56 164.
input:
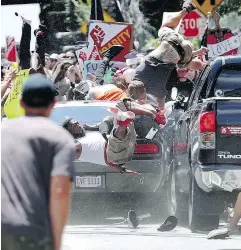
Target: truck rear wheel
pixel 199 220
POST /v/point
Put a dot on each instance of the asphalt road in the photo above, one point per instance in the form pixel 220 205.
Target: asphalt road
pixel 121 237
pixel 91 226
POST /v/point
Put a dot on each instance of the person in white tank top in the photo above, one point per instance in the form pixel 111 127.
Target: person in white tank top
pixel 90 147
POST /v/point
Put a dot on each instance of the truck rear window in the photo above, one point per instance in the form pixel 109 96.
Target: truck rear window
pixel 228 83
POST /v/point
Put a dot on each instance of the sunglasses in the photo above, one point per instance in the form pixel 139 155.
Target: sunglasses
pixel 69 57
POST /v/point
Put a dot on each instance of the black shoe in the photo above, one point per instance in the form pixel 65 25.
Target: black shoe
pixel 112 51
pixel 169 224
pixel 132 219
pixel 188 6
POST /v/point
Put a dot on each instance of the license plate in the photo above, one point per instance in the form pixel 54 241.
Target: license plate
pixel 88 181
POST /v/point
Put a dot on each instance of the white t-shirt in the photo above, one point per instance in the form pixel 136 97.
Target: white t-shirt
pixel 93 148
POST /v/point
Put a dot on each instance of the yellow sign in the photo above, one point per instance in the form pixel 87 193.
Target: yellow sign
pixel 12 106
pixel 206 6
pixel 107 18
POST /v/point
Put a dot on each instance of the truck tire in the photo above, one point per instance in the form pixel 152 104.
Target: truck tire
pixel 198 200
pixel 177 202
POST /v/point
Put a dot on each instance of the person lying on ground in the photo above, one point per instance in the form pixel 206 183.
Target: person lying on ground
pixel 232 227
pixel 173 51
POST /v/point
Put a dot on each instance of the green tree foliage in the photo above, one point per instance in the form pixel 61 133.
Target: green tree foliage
pixel 236 20
pixel 131 12
pixel 228 6
pixel 78 11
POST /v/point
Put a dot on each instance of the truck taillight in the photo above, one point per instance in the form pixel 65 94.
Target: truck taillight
pixel 207 122
pixel 146 149
pixel 207 129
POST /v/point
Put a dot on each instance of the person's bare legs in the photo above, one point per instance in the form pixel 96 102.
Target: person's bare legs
pixel 236 215
pixel 225 232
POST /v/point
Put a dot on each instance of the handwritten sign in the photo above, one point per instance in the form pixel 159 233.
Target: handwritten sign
pixel 12 106
pixel 92 66
pixel 223 47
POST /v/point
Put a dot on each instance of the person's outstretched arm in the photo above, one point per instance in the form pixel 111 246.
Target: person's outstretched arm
pixel 175 20
pixel 24 47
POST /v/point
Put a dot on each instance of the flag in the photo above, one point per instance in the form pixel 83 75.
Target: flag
pixel 96 10
pixel 117 15
pixel 11 51
pixel 107 18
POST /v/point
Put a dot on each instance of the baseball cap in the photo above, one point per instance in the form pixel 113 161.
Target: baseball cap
pixel 38 91
pixel 54 56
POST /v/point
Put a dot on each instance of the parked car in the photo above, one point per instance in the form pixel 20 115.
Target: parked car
pixel 148 159
pixel 205 168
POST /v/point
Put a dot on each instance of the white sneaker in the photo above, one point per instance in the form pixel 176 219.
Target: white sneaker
pixel 220 233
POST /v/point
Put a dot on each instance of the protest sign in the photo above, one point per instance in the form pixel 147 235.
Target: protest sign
pixel 224 47
pixel 102 35
pixel 92 66
pixel 11 49
pixel 221 40
pixel 12 106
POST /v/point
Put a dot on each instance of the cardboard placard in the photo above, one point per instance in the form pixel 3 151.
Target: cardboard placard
pixel 102 35
pixel 221 48
pixel 12 106
pixel 92 66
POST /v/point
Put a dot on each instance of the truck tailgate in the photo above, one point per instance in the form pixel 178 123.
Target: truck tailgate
pixel 228 139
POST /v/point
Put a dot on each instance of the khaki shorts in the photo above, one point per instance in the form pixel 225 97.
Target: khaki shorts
pixel 120 152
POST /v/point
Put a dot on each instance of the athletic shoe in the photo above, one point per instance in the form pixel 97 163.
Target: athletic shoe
pixel 220 233
pixel 169 224
pixel 112 51
pixel 132 219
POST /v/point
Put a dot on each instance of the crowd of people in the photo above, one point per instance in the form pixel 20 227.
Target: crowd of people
pixel 36 190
